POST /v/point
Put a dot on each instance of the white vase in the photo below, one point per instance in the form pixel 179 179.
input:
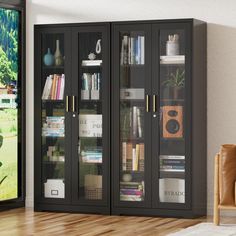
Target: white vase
pixel 57 56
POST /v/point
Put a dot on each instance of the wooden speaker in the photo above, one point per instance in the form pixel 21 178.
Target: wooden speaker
pixel 172 121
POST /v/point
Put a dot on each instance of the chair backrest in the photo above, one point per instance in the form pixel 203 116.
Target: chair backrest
pixel 227 174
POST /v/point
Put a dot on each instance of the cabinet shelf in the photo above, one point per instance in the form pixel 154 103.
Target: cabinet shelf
pixel 52 67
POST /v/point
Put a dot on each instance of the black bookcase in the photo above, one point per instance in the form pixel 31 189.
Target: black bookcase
pixel 72 110
pixel 146 158
pixel 159 142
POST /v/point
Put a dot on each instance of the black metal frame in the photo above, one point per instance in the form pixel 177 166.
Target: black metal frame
pixel 20 6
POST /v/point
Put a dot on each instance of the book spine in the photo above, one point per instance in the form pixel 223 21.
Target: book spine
pixel 99 81
pixel 139 50
pixel 139 123
pixel 53 87
pixel 124 153
pixel 62 89
pixel 137 157
pixel 133 159
pixel 129 50
pixel 142 50
pixel 125 52
pixel 134 128
pixel 122 52
pixel 58 87
pixel 45 88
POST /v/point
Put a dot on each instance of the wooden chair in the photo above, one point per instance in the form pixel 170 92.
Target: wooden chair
pixel 224 180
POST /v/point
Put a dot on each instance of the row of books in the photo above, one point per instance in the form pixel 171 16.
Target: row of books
pixel 54 126
pixel 92 155
pixel 132 50
pixel 131 191
pixel 54 87
pixel 132 157
pixel 132 122
pixel 91 81
pixel 172 163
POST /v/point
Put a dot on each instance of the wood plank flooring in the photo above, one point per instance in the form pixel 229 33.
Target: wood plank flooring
pixel 26 222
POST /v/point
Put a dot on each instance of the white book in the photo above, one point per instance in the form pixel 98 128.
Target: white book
pixel 139 123
pixel 93 81
pixel 122 52
pixel 132 51
pixel 61 96
pixel 142 50
pixel 49 87
pixel 91 62
pixel 134 159
pixel 139 49
pixel 45 88
pixel 171 157
pixel 124 153
pixel 129 50
pixel 135 125
pixel 125 52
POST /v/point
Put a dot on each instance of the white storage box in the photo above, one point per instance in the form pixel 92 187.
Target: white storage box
pixel 54 188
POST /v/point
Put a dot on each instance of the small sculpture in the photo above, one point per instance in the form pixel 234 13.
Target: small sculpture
pixel 48 58
pixel 91 56
pixel 98 46
pixel 58 56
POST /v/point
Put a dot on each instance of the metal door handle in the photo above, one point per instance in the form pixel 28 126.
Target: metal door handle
pixel 154 103
pixel 67 103
pixel 73 103
pixel 147 103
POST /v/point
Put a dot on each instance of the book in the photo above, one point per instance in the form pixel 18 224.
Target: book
pixel 178 59
pixel 54 126
pixel 139 123
pixel 124 155
pixel 54 87
pixel 142 61
pixel 62 87
pixel 141 157
pixel 134 126
pixel 91 62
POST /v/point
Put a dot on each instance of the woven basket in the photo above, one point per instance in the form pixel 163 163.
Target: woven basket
pixel 92 193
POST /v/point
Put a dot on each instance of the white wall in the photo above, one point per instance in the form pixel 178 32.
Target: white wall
pixel 221 18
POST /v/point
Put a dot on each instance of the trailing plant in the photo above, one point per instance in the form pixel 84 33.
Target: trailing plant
pixel 176 80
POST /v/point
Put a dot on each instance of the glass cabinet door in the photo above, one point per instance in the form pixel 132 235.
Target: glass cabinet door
pixel 132 84
pixel 90 115
pixel 54 111
pixel 170 151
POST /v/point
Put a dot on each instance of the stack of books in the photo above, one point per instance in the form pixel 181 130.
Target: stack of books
pixel 91 63
pixel 131 191
pixel 132 50
pixel 178 59
pixel 132 157
pixel 92 155
pixel 54 87
pixel 132 122
pixel 54 126
pixel 172 163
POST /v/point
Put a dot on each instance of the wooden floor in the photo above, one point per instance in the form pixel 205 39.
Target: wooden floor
pixel 26 222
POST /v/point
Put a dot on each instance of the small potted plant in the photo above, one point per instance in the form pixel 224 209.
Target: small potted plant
pixel 176 82
pixel 1 142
